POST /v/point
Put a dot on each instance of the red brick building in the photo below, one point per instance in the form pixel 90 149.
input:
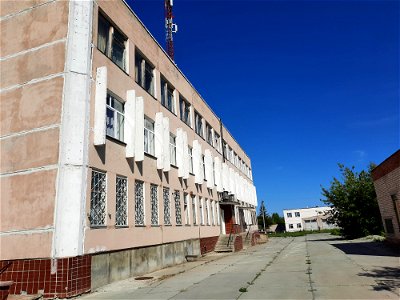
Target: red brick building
pixel 386 178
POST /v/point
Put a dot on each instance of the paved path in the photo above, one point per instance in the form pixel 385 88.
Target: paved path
pixel 313 267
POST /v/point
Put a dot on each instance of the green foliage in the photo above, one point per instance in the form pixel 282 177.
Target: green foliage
pixel 276 219
pixel 301 233
pixel 354 203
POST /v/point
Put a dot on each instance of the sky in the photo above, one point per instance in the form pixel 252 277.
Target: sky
pixel 301 85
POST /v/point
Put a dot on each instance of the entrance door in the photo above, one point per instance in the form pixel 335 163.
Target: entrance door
pixel 222 221
pixel 228 218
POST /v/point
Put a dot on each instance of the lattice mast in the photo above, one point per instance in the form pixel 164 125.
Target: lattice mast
pixel 170 27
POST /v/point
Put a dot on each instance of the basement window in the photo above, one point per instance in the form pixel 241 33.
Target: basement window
pixel 112 42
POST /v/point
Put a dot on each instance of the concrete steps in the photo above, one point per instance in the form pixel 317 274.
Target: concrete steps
pixel 222 244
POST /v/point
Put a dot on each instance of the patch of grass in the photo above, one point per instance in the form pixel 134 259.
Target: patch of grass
pixel 243 290
pixel 303 233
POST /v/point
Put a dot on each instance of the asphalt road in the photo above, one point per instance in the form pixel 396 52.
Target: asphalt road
pixel 316 266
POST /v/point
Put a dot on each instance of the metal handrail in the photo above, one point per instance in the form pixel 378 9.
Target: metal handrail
pixel 230 234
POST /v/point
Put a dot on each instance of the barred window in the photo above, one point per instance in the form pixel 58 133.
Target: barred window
pixel 139 203
pixel 167 207
pixel 98 199
pixel 121 210
pixel 154 204
pixel 178 213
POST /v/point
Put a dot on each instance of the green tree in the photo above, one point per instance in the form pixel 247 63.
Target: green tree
pixel 277 219
pixel 260 219
pixel 353 201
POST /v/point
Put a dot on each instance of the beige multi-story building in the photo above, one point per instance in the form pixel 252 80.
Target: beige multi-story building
pixel 112 164
pixel 386 178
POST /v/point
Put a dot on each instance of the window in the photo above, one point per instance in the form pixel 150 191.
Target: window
pixel 121 209
pixel 225 149
pixel 201 211
pixel 98 199
pixel 184 110
pixel 207 212
pixel 144 73
pixel 167 207
pixel 389 226
pixel 209 138
pixel 235 158
pixel 115 118
pixel 148 136
pixel 194 210
pixel 172 149
pixel 167 95
pixel 204 166
pixel 289 215
pixel 217 142
pixel 186 208
pixel 231 155
pixel 139 203
pixel 178 213
pixel 111 42
pixel 395 201
pixel 190 150
pixel 154 204
pixel 212 213
pixel 297 214
pixel 198 124
pixel 298 225
pixel 291 226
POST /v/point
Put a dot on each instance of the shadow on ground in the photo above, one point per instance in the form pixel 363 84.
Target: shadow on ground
pixel 367 248
pixel 388 278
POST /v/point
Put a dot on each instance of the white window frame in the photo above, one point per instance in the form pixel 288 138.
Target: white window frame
pixel 172 149
pixel 149 137
pixel 117 117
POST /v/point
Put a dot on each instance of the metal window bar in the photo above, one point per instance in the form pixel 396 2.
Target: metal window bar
pixel 167 207
pixel 178 212
pixel 154 204
pixel 98 199
pixel 121 209
pixel 139 203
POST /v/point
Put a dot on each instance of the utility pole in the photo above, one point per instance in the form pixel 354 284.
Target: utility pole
pixel 263 211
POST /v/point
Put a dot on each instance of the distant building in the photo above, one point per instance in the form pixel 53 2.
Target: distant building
pixel 386 178
pixel 313 218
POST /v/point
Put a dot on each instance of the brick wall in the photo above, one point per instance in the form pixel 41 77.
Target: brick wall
pixel 387 183
pixel 208 244
pixel 59 278
pixel 255 237
pixel 238 243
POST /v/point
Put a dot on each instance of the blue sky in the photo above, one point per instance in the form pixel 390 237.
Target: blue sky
pixel 301 85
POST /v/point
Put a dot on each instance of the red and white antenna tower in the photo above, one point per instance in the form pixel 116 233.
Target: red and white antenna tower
pixel 170 27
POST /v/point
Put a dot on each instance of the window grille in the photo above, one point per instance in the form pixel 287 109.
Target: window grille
pixel 201 211
pixel 178 213
pixel 98 199
pixel 115 118
pixel 121 216
pixel 139 203
pixel 167 207
pixel 154 204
